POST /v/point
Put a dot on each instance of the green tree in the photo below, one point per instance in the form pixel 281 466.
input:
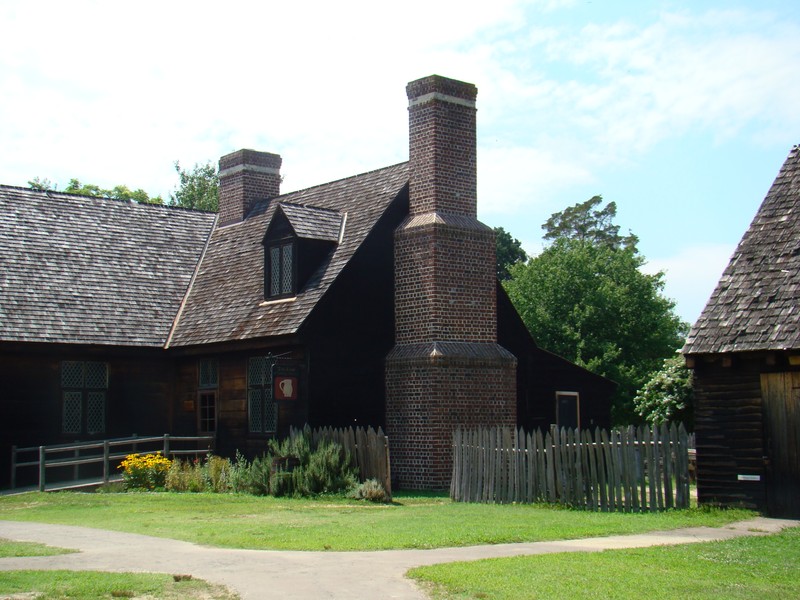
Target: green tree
pixel 197 188
pixel 40 184
pixel 509 252
pixel 668 395
pixel 590 303
pixel 585 221
pixel 120 192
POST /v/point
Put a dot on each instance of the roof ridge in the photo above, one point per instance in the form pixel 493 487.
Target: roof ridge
pixel 319 185
pixel 324 208
pixel 49 194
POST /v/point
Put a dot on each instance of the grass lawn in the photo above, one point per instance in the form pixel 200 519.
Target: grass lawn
pixel 9 548
pixel 89 585
pixel 412 521
pixel 765 567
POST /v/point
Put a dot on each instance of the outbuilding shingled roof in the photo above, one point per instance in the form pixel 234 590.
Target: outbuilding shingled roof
pixel 755 304
pixel 226 302
pixel 76 269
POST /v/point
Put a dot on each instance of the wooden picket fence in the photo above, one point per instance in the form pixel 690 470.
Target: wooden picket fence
pixel 626 470
pixel 368 448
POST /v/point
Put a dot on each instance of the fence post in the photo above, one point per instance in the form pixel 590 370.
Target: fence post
pixel 13 467
pixel 41 468
pixel 166 445
pixel 76 454
pixel 105 461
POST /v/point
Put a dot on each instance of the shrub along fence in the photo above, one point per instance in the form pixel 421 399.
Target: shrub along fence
pixel 628 470
pixel 368 448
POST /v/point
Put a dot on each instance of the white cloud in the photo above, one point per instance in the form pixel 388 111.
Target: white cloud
pixel 717 71
pixel 511 178
pixel 691 274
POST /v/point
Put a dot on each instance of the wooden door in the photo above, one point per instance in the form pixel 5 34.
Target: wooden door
pixel 781 394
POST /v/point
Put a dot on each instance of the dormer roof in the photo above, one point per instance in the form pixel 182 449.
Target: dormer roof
pixel 311 222
pixel 226 303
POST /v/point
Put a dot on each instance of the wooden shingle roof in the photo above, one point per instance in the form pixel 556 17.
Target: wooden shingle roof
pixel 755 304
pixel 226 302
pixel 313 223
pixel 76 269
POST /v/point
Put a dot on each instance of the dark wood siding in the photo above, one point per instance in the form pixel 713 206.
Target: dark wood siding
pixel 541 374
pixel 233 433
pixel 351 331
pixel 730 432
pixel 139 384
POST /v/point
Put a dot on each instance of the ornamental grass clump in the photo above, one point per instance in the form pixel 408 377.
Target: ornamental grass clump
pixel 145 471
pixel 371 490
pixel 211 475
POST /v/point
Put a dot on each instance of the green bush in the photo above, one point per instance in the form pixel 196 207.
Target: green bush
pixel 298 469
pixel 290 467
pixel 371 490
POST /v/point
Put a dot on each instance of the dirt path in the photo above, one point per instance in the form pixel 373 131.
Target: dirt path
pixel 265 574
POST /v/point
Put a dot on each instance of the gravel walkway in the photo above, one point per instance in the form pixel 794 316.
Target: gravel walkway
pixel 264 574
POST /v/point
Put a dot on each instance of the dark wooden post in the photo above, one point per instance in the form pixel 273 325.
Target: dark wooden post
pixel 41 467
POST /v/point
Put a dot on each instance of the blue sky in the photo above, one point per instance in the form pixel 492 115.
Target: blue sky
pixel 680 111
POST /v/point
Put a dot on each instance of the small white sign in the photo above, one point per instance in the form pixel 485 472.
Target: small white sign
pixel 749 477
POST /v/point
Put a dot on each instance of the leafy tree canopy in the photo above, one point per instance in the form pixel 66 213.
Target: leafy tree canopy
pixel 586 299
pixel 120 192
pixel 509 252
pixel 197 188
pixel 668 396
pixel 585 221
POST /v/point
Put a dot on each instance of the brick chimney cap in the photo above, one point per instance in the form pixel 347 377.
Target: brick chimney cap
pixel 438 86
pixel 250 158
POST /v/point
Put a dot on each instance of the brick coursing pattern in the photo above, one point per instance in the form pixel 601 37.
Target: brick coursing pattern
pixel 442 148
pixel 446 368
pixel 433 392
pixel 246 176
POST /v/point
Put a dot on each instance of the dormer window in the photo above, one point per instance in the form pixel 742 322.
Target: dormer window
pixel 280 270
pixel 298 242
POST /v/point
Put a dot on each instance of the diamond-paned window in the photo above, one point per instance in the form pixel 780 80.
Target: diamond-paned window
pixel 96 375
pixel 262 409
pixel 72 374
pixel 275 274
pixel 95 412
pixel 280 269
pixel 84 385
pixel 72 417
pixel 286 269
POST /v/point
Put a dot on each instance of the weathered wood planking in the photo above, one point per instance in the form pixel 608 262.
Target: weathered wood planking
pixel 629 470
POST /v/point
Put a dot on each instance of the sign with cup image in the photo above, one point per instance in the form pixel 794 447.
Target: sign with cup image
pixel 285 385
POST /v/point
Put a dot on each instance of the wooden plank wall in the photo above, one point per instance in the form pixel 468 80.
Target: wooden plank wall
pixel 730 434
pixel 628 470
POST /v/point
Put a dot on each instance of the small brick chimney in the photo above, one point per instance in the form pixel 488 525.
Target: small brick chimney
pixel 246 176
pixel 446 368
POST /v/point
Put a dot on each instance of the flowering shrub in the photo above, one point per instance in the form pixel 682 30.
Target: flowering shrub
pixel 145 471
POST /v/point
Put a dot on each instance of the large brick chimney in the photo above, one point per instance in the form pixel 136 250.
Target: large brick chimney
pixel 244 177
pixel 446 368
